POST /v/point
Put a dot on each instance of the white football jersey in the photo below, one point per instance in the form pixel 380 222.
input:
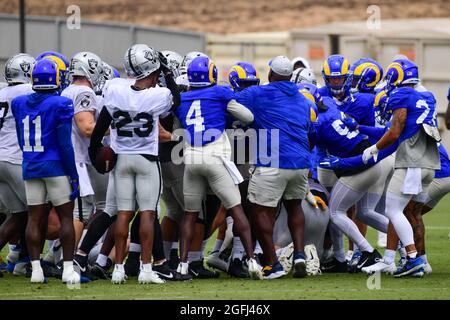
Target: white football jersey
pixel 9 146
pixel 135 115
pixel 84 99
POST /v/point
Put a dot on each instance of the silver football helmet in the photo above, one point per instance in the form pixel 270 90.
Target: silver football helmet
pixel 188 58
pixel 301 60
pixel 140 61
pixel 87 64
pixel 303 75
pixel 18 68
pixel 174 60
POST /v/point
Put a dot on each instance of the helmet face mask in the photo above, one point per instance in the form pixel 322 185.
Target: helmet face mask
pixel 18 68
pixel 174 60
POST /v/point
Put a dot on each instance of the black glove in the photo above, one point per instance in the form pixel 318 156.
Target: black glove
pixel 164 64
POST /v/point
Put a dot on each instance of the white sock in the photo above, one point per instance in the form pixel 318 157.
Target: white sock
pixel 135 247
pixel 36 265
pixel 238 248
pixel 175 245
pixel 167 245
pixel 119 267
pixel 68 266
pixel 389 256
pixel 217 245
pixel 50 244
pixel 412 254
pixel 424 258
pixel 11 247
pixel 258 249
pixel 194 256
pixel 102 259
pixel 147 267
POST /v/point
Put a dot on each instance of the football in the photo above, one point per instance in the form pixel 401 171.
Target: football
pixel 105 159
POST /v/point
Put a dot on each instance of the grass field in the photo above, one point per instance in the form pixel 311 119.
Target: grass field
pixel 338 286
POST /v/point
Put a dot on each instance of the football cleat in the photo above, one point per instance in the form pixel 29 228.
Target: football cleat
pixel 299 266
pixel 198 271
pixel 312 260
pixel 355 259
pixel 334 266
pixel 183 268
pixel 285 257
pixel 13 255
pixel 236 269
pixel 380 266
pixel 164 272
pixel 80 266
pixel 427 268
pixel 273 272
pixel 37 276
pixel 411 266
pixel 255 271
pixel 20 268
pixel 71 277
pixel 367 259
pixel 100 272
pixel 149 276
pixel 118 276
pixel 215 261
pixel 349 255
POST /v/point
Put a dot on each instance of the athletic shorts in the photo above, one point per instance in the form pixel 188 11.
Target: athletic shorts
pixel 268 185
pixel 439 187
pixel 137 179
pixel 208 172
pixel 12 188
pixel 172 193
pixel 365 180
pixel 54 189
pixel 396 184
pixel 99 183
pixel 326 177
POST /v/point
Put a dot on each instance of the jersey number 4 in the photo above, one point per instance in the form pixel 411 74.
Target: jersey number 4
pixel 196 111
pixel 37 135
pixel 122 118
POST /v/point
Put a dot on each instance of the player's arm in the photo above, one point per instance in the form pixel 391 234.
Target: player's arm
pixel 239 111
pixel 101 127
pixel 394 132
pixel 64 135
pixel 85 122
pixel 164 135
pixel 170 81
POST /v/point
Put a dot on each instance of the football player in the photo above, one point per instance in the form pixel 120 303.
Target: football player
pixel 43 124
pixel 207 155
pixel 85 70
pixel 12 189
pixel 134 111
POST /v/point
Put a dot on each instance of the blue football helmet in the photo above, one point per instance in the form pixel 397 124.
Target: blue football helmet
pixel 311 92
pixel 243 75
pixel 400 73
pixel 45 75
pixel 63 65
pixel 336 74
pixel 365 75
pixel 202 72
pixel 382 114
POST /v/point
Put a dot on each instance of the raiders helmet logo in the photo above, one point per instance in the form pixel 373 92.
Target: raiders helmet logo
pixel 93 64
pixel 150 56
pixel 25 66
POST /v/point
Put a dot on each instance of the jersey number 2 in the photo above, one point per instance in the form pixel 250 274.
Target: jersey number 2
pixel 197 120
pixel 124 118
pixel 37 135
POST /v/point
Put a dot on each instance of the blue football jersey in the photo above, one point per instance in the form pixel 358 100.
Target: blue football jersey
pixel 204 111
pixel 421 108
pixel 332 133
pixel 324 92
pixel 360 107
pixel 37 119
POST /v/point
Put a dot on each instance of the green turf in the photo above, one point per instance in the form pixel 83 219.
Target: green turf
pixel 339 286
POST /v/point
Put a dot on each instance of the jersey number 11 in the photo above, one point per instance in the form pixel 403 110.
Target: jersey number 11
pixel 37 135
